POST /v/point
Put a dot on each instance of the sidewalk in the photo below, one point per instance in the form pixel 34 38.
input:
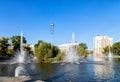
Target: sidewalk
pixel 18 79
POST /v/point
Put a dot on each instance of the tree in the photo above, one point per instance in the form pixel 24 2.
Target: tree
pixel 38 43
pixel 27 48
pixel 82 49
pixel 116 48
pixel 83 45
pixel 106 50
pixel 3 45
pixel 16 42
pixel 44 52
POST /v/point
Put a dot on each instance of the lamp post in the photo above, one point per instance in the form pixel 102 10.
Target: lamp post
pixel 52 36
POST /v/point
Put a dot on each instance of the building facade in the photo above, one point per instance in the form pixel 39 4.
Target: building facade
pixel 66 47
pixel 101 42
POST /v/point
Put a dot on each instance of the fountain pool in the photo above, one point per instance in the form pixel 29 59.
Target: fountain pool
pixel 91 69
pixel 72 55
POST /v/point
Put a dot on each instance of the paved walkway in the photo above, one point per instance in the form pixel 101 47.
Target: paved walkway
pixel 18 79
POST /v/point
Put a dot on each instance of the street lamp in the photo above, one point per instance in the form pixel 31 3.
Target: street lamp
pixel 52 36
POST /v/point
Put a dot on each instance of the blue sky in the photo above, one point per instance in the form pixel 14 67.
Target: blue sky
pixel 86 18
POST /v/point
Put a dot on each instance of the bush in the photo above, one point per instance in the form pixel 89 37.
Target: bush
pixel 46 52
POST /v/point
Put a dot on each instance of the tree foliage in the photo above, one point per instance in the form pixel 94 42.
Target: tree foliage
pixel 116 48
pixel 82 49
pixel 3 45
pixel 83 45
pixel 9 45
pixel 16 42
pixel 107 49
pixel 45 52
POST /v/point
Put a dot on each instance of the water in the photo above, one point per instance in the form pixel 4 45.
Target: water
pixel 72 56
pixel 20 71
pixel 91 69
pixel 73 38
pixel 21 57
pixel 21 47
pixel 109 54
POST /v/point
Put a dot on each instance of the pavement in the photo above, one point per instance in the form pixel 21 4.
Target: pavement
pixel 18 79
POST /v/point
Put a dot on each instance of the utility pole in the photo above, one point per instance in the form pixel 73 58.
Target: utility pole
pixel 52 36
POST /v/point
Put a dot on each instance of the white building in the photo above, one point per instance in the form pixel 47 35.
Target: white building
pixel 66 47
pixel 101 42
pixel 32 47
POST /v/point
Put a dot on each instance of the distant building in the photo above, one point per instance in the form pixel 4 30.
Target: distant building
pixel 66 47
pixel 32 47
pixel 101 42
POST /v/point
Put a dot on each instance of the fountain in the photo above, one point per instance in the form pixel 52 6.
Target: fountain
pixel 109 53
pixel 21 57
pixel 20 71
pixel 72 56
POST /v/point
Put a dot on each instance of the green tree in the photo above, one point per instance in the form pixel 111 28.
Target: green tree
pixel 44 52
pixel 10 52
pixel 3 45
pixel 16 42
pixel 116 48
pixel 106 50
pixel 27 48
pixel 83 45
pixel 82 49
